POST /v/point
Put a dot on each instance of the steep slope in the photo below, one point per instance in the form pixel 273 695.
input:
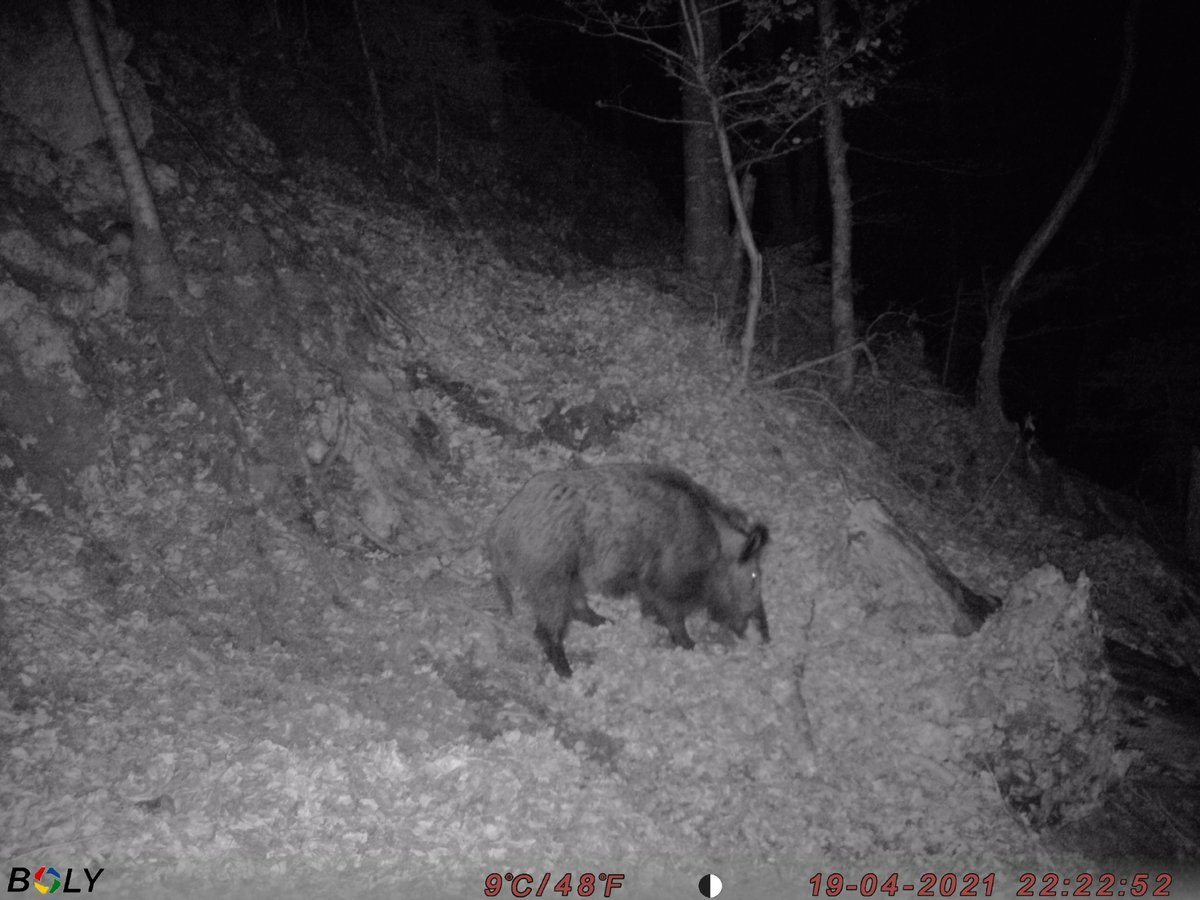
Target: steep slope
pixel 253 645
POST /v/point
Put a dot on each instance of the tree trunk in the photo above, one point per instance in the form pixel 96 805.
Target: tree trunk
pixel 706 197
pixel 157 273
pixel 382 146
pixel 988 393
pixel 692 23
pixel 743 210
pixel 905 573
pixel 842 309
pixel 989 399
pixel 786 218
pixel 491 69
pixel 1191 537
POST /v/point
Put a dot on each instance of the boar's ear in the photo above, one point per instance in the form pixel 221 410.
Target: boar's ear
pixel 755 541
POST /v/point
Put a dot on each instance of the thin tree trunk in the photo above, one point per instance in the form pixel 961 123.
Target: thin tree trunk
pixel 949 357
pixel 743 208
pixel 754 290
pixel 775 173
pixel 737 247
pixel 990 401
pixel 1191 536
pixel 382 146
pixel 706 198
pixel 692 24
pixel 988 394
pixel 740 243
pixel 491 69
pixel 842 309
pixel 157 272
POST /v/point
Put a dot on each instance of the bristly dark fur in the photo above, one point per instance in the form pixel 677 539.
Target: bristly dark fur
pixel 626 529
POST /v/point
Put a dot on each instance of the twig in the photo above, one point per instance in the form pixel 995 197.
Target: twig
pixel 813 363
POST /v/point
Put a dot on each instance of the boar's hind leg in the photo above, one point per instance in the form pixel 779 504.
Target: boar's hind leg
pixel 553 612
pixel 555 652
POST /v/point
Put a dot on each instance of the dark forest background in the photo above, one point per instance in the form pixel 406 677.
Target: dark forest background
pixel 954 165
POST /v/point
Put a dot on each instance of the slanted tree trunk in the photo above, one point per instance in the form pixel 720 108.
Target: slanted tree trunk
pixel 382 145
pixel 181 338
pixel 485 24
pixel 741 211
pixel 1191 538
pixel 157 273
pixel 988 395
pixel 693 25
pixel 841 277
pixel 906 573
pixel 706 196
pixel 745 245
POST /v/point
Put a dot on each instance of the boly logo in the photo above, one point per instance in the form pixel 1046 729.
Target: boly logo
pixel 48 880
pixel 44 872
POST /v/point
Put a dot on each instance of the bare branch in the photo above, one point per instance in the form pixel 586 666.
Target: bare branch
pixel 648 117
